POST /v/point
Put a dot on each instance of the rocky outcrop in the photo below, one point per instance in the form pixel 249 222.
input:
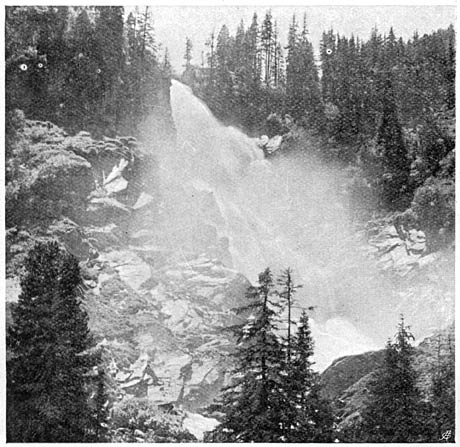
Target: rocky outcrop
pixel 346 371
pixel 157 310
pixel 421 284
pixel 270 145
pixel 148 306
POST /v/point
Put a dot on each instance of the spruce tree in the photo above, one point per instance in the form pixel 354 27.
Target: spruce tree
pixel 395 411
pixel 287 293
pixel 310 417
pixel 267 42
pixel 251 402
pixel 188 53
pixel 47 399
pixel 303 96
pixel 443 397
pixel 396 164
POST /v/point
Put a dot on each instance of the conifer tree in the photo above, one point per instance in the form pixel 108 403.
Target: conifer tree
pixel 303 96
pixel 49 340
pixel 267 42
pixel 250 402
pixel 309 415
pixel 287 294
pixel 396 164
pixel 167 68
pixel 224 81
pixel 443 396
pixel 188 53
pixel 395 411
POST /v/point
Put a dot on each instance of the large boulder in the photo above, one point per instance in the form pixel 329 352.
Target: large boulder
pixel 53 183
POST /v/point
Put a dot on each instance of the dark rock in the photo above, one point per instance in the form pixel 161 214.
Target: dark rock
pixel 72 237
pixel 346 371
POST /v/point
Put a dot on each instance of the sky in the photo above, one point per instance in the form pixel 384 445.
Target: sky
pixel 174 23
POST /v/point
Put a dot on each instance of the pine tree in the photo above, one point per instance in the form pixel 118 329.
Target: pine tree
pixel 49 340
pixel 308 415
pixel 395 161
pixel 250 402
pixel 210 43
pixel 167 68
pixel 267 42
pixel 303 96
pixel 395 412
pixel 224 81
pixel 287 294
pixel 188 53
pixel 449 68
pixel 443 396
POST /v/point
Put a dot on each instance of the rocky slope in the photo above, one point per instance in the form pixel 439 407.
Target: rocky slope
pixel 159 282
pixel 156 311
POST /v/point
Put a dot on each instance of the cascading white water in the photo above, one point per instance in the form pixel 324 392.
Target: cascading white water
pixel 286 212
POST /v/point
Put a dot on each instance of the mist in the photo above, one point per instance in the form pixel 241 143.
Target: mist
pixel 222 198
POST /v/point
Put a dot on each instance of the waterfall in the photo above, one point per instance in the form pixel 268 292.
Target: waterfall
pixel 280 213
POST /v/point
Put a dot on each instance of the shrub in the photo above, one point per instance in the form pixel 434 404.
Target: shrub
pixel 434 205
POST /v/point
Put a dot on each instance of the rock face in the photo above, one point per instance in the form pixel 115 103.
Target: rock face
pixel 160 286
pixel 156 309
pixel 270 145
pixel 164 316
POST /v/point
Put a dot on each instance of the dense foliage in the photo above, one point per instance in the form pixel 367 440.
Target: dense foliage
pixel 139 420
pixel 397 410
pixel 276 396
pixel 50 364
pixel 274 393
pixel 384 106
pixel 87 68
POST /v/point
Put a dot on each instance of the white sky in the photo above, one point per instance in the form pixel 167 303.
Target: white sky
pixel 173 23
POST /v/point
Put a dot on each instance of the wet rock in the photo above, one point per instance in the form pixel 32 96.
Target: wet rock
pixel 55 183
pixel 105 237
pixel 115 183
pixel 175 321
pixel 270 145
pixel 106 210
pixel 396 252
pixel 72 237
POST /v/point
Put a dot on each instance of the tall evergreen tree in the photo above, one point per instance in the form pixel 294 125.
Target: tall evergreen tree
pixel 188 53
pixel 268 44
pixel 303 96
pixel 250 402
pixel 287 295
pixel 443 397
pixel 49 340
pixel 310 417
pixel 396 164
pixel 395 412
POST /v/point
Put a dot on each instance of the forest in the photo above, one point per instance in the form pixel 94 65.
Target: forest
pixel 382 107
pixel 78 80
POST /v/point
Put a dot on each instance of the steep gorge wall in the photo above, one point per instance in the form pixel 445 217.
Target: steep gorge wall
pixel 157 314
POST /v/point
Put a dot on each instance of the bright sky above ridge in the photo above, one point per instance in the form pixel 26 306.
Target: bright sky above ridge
pixel 174 23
